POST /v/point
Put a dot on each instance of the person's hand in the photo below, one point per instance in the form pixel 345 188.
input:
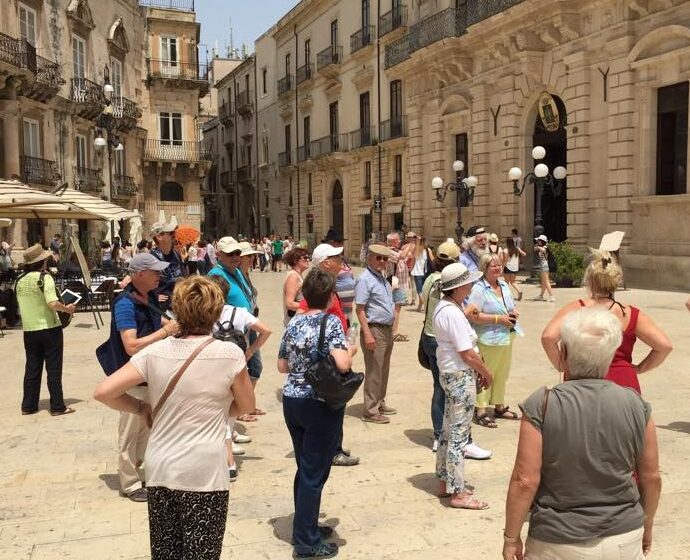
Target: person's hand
pixel 352 350
pixel 485 379
pixel 163 298
pixel 71 308
pixel 515 313
pixel 505 321
pixel 147 414
pixel 172 327
pixel 248 354
pixel 647 540
pixel 513 551
pixel 369 342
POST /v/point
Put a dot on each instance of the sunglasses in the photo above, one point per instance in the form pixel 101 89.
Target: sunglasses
pixel 381 258
pixel 234 254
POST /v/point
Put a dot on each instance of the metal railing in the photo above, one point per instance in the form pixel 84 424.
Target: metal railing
pixel 362 38
pixel 328 145
pixel 393 128
pixel 88 180
pixel 179 5
pixel 303 152
pixel 243 101
pixel 245 174
pixel 125 108
pixel 17 52
pixel 362 137
pixel 284 85
pixel 329 55
pixel 86 91
pixel 124 185
pixel 225 113
pixel 392 20
pixel 48 72
pixel 284 159
pixel 478 10
pixel 304 73
pixel 446 23
pixel 177 150
pixel 38 171
pixel 176 70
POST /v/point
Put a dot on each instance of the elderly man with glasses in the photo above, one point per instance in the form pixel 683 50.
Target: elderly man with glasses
pixel 164 237
pixel 376 312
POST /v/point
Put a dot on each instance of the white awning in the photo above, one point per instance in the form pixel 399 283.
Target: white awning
pixel 363 211
pixel 393 209
pixel 106 210
pixel 20 201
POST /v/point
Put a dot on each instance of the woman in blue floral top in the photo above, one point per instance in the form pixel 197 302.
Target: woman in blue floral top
pixel 314 428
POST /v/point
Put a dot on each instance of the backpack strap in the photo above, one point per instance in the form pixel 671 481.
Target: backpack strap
pixel 232 318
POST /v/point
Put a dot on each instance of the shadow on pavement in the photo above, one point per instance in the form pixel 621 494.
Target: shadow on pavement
pixel 45 403
pixel 279 394
pixel 422 437
pixel 682 427
pixel 426 482
pixel 355 410
pixel 282 528
pixel 111 481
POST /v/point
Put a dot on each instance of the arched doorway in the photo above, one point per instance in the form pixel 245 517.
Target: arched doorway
pixel 337 220
pixel 554 208
pixel 172 192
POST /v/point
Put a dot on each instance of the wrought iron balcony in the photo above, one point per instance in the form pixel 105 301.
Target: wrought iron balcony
pixel 285 85
pixel 328 145
pixel 244 103
pixel 177 150
pixel 179 5
pixel 284 159
pixel 446 23
pixel 47 83
pixel 245 174
pixel 124 186
pixel 361 38
pixel 181 74
pixel 362 137
pixel 126 112
pixel 88 180
pixel 478 10
pixel 88 97
pixel 225 114
pixel 393 128
pixel 304 73
pixel 393 20
pixel 18 53
pixel 304 152
pixel 332 55
pixel 38 171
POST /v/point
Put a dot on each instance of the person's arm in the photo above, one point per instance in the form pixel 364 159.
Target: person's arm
pixel 342 358
pixel 656 339
pixel 283 366
pixel 649 482
pixel 133 344
pixel 551 335
pixel 687 304
pixel 264 332
pixel 59 306
pixel 474 360
pixel 51 298
pixel 369 340
pixel 522 253
pixel 243 401
pixel 474 313
pixel 523 486
pixel 112 392
pixel 292 286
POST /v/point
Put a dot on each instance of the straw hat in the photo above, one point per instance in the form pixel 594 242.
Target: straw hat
pixel 35 253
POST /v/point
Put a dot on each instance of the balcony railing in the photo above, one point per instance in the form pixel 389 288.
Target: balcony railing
pixel 446 23
pixel 179 5
pixel 243 102
pixel 284 85
pixel 177 150
pixel 225 114
pixel 88 180
pixel 361 38
pixel 328 145
pixel 176 70
pixel 284 159
pixel 304 73
pixel 48 73
pixel 304 152
pixel 362 137
pixel 393 128
pixel 85 91
pixel 124 186
pixel 17 52
pixel 392 20
pixel 330 55
pixel 124 108
pixel 478 10
pixel 245 174
pixel 38 171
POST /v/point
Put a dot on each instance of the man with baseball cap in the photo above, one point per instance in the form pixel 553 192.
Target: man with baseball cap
pixel 136 322
pixel 475 245
pixel 163 236
pixel 376 312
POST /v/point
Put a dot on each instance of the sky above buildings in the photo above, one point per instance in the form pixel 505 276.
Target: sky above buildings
pixel 249 19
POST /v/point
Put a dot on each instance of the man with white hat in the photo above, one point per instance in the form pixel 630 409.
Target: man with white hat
pixel 136 323
pixel 163 236
pixel 376 313
pixel 475 246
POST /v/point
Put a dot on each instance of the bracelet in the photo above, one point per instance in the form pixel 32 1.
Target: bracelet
pixel 165 331
pixel 510 540
pixel 495 319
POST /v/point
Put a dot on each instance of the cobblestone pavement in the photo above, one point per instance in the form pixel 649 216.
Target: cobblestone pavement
pixel 58 483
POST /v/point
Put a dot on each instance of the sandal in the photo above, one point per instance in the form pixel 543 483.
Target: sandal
pixel 484 420
pixel 401 338
pixel 505 413
pixel 68 410
pixel 258 412
pixel 443 490
pixel 467 502
pixel 247 418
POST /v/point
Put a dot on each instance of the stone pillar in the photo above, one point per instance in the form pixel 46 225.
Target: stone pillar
pixel 11 133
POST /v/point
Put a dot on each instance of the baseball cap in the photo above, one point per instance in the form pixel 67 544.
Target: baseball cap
pixel 160 227
pixel 542 238
pixel 448 251
pixel 228 245
pixel 247 249
pixel 324 251
pixel 146 261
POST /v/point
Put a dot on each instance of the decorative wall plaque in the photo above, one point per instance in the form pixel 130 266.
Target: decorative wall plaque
pixel 548 112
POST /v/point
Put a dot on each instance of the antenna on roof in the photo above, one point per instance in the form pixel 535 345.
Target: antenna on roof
pixel 231 48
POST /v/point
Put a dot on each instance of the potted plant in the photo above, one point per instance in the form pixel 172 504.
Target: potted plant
pixel 570 264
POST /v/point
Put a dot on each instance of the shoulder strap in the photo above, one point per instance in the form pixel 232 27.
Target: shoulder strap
pixel 545 405
pixel 634 314
pixel 322 331
pixel 582 303
pixel 232 318
pixel 173 382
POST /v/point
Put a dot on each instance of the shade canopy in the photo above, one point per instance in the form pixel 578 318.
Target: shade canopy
pixel 101 208
pixel 19 201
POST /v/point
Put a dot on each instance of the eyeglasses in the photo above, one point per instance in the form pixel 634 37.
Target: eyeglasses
pixel 381 258
pixel 234 254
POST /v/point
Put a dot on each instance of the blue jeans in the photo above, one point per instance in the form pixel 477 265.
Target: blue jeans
pixel 254 365
pixel 316 431
pixel 438 398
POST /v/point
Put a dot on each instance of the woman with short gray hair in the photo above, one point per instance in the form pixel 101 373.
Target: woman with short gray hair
pixel 580 443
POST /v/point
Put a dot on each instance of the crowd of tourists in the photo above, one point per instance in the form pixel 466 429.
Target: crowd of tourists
pixel 184 358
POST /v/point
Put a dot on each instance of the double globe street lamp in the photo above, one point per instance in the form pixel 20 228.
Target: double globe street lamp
pixel 540 178
pixel 464 191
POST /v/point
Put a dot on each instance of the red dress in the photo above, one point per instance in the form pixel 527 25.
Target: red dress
pixel 621 370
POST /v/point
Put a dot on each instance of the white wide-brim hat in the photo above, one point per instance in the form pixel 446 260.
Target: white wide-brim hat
pixel 456 275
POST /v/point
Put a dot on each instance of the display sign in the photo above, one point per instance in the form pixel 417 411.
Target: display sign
pixel 548 112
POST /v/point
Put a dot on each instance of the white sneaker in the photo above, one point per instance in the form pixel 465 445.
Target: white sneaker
pixel 240 438
pixel 434 446
pixel 473 451
pixel 551 299
pixel 236 449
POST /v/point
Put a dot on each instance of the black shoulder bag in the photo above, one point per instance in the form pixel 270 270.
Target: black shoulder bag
pixel 331 385
pixel 228 333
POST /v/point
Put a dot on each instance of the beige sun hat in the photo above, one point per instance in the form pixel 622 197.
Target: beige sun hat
pixel 35 253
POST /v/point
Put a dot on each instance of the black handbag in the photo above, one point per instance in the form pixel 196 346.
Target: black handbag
pixel 422 357
pixel 334 387
pixel 227 332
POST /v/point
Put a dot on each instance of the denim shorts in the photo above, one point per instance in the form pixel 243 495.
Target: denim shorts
pixel 419 283
pixel 399 296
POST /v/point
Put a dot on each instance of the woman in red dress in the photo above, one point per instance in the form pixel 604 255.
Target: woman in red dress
pixel 602 278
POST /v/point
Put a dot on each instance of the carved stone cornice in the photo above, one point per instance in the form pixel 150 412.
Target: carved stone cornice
pixel 364 78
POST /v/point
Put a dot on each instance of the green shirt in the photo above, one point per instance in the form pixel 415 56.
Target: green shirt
pixel 278 247
pixel 33 303
pixel 432 295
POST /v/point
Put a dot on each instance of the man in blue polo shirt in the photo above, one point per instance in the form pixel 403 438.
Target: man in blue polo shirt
pixel 164 235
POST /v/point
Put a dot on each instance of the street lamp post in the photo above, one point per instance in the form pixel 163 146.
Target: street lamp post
pixel 540 178
pixel 106 125
pixel 464 191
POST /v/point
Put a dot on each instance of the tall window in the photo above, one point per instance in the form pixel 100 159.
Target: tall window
pixel 333 125
pixel 672 139
pixel 288 61
pixel 119 157
pixel 116 76
pixel 169 56
pixel 334 33
pixel 27 24
pixel 366 187
pixel 306 127
pixel 290 193
pixel 307 51
pixel 396 110
pixel 365 118
pixel 397 175
pixel 171 129
pixel 462 153
pixel 366 21
pixel 310 197
pixel 80 149
pixel 79 56
pixel 288 139
pixel 264 76
pixel 246 82
pixel 32 138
